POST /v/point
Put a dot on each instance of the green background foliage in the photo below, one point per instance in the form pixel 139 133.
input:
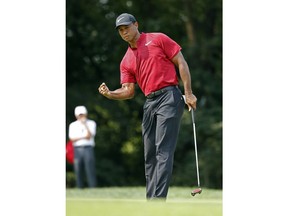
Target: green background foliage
pixel 93 54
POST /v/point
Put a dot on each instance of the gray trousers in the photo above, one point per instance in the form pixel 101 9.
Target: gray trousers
pixel 84 162
pixel 160 128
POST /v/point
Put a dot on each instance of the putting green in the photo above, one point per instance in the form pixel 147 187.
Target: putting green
pixel 129 202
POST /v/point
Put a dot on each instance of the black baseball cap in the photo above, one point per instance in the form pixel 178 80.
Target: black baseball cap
pixel 124 19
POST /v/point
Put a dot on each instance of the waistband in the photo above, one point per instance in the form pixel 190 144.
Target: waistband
pixel 83 146
pixel 160 91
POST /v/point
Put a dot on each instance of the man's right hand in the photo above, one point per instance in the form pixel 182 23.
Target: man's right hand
pixel 103 89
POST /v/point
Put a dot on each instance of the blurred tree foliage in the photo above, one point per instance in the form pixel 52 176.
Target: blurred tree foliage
pixel 93 54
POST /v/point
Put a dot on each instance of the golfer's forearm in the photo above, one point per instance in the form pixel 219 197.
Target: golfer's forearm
pixel 120 94
pixel 185 77
pixel 182 65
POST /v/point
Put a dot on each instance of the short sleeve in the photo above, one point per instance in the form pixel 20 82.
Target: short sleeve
pixel 170 47
pixel 126 76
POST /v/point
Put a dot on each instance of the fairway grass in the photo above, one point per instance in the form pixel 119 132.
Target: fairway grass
pixel 130 201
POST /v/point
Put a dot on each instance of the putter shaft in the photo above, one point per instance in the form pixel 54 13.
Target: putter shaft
pixel 195 143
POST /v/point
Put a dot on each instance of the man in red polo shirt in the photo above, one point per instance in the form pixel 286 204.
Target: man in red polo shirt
pixel 150 62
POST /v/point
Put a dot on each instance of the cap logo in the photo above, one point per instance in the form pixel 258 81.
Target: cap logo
pixel 120 19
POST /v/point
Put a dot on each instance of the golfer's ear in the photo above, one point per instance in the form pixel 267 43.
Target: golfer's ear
pixel 136 24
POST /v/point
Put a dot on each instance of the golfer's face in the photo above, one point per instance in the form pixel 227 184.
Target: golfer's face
pixel 129 32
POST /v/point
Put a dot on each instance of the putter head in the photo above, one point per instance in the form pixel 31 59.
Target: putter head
pixel 196 191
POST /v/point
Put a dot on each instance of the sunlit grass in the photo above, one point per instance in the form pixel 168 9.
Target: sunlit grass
pixel 130 201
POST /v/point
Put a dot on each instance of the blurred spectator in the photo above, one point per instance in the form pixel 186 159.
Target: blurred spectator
pixel 82 133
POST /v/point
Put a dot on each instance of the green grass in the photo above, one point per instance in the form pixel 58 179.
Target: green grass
pixel 130 201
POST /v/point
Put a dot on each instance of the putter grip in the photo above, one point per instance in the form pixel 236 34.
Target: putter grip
pixel 192 114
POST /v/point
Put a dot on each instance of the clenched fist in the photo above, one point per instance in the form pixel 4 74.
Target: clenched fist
pixel 103 89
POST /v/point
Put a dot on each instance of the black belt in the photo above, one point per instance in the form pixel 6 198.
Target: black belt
pixel 160 91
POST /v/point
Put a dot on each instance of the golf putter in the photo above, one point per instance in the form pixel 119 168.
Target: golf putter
pixel 197 190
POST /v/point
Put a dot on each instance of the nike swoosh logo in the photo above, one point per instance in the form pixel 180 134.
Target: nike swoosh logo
pixel 120 19
pixel 146 44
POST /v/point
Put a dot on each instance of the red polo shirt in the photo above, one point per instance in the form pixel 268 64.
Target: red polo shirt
pixel 150 63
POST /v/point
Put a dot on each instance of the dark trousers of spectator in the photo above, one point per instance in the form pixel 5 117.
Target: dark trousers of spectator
pixel 84 162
